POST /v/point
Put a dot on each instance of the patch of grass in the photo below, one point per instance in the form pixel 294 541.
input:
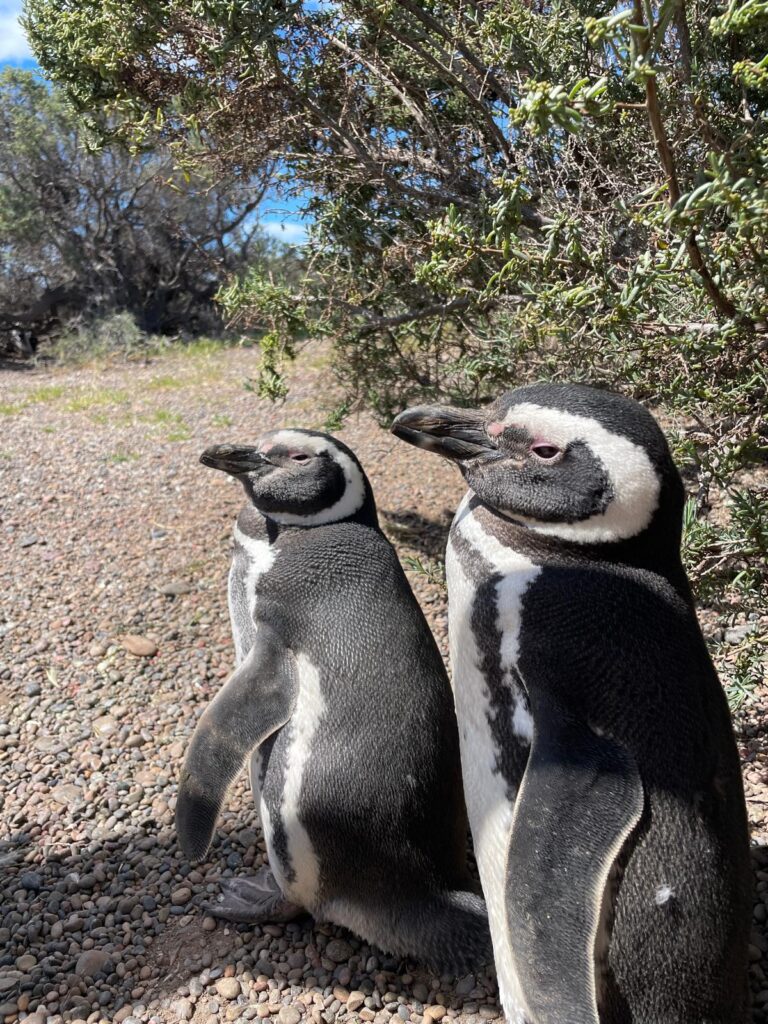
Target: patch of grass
pixel 87 399
pixel 205 346
pixel 221 420
pixel 741 668
pixel 179 435
pixel 174 422
pixel 431 569
pixel 161 416
pixel 48 430
pixel 10 409
pixel 165 382
pixel 119 457
pixel 46 393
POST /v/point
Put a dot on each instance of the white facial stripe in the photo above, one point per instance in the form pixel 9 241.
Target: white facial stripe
pixel 634 480
pixel 354 491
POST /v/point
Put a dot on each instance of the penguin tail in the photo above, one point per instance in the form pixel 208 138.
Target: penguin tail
pixel 449 931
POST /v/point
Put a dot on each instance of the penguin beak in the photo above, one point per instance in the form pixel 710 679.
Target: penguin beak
pixel 456 434
pixel 235 459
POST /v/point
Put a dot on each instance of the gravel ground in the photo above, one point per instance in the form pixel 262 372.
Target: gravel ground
pixel 114 634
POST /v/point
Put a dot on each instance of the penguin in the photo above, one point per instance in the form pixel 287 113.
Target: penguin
pixel 341 704
pixel 600 768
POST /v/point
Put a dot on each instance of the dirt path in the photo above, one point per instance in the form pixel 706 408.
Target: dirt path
pixel 109 527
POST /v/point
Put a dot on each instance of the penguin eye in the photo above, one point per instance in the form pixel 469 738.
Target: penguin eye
pixel 545 452
pixel 299 457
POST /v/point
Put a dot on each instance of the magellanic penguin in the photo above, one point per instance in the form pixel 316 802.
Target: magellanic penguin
pixel 342 705
pixel 600 769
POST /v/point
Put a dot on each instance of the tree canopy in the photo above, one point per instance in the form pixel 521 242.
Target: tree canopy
pixel 496 187
pixel 87 233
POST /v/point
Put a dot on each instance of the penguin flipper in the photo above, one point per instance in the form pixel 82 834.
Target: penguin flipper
pixel 580 798
pixel 256 700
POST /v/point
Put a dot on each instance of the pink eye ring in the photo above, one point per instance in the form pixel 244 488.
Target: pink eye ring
pixel 546 452
pixel 299 457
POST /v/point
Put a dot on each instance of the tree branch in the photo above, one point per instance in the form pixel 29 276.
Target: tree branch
pixel 722 303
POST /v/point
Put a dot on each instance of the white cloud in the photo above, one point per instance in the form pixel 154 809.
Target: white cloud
pixel 14 47
pixel 289 231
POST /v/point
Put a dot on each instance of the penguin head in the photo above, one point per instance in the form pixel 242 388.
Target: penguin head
pixel 298 477
pixel 564 460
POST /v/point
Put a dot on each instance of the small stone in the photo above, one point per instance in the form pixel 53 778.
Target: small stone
pixel 488 1012
pixel 183 1008
pixel 338 951
pixel 355 1000
pixel 181 896
pixel 263 1011
pixel 434 1013
pixel 465 985
pixel 174 588
pixel 6 1009
pixel 33 689
pixel 341 994
pixel 105 725
pixel 139 646
pixel 736 634
pixel 228 988
pixel 31 881
pixel 209 924
pixel 26 962
pixel 420 992
pixel 91 962
pixel 121 1014
pixel 27 542
pixel 289 1015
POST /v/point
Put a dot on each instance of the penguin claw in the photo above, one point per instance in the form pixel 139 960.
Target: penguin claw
pixel 255 900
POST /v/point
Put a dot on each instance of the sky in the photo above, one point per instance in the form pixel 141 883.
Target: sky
pixel 283 224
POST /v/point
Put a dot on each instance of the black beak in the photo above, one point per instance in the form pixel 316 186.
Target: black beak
pixel 235 459
pixel 455 434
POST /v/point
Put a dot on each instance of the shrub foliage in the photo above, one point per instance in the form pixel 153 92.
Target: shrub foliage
pixel 499 190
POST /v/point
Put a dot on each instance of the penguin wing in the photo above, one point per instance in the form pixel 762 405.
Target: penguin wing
pixel 256 700
pixel 580 798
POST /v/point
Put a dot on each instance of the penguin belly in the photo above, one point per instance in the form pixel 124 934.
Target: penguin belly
pixel 277 773
pixel 489 793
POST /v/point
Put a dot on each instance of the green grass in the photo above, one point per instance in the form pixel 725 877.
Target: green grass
pixel 165 382
pixel 91 398
pixel 119 457
pixel 10 409
pixel 221 420
pixel 46 393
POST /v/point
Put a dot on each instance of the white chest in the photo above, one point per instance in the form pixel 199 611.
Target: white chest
pixel 253 558
pixel 489 805
pixel 302 883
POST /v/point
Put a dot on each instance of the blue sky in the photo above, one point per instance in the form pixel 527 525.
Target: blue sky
pixel 279 218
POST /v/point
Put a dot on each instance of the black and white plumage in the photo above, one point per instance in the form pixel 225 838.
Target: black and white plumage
pixel 600 769
pixel 341 703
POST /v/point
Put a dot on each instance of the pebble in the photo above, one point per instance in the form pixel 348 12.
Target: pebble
pixel 338 951
pixel 228 988
pixel 289 1015
pixel 91 962
pixel 140 646
pixel 175 588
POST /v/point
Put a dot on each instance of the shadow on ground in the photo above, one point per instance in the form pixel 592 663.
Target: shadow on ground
pixel 115 928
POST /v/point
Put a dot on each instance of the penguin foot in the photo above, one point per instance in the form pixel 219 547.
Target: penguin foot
pixel 253 900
